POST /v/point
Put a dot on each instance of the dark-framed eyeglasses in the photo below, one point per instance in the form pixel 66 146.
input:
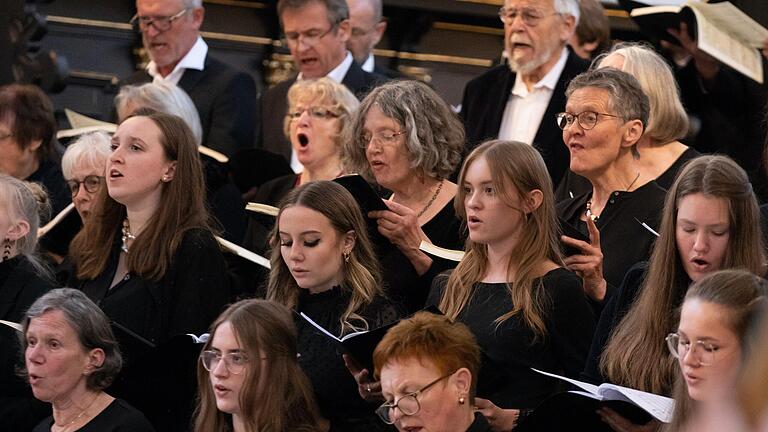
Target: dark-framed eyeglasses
pixel 310 37
pixel 382 138
pixel 407 404
pixel 160 23
pixel 235 362
pixel 316 112
pixel 91 183
pixel 587 119
pixel 531 17
pixel 702 351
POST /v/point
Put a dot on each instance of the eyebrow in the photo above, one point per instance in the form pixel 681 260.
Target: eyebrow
pixel 302 233
pixel 719 224
pixel 236 350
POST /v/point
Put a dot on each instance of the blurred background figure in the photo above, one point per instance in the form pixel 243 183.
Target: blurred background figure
pixel 593 32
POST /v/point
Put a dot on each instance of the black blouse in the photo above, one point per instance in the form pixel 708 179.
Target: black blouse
pixel 320 358
pixel 402 283
pixel 623 238
pixel 510 349
pixel 185 300
pixel 118 416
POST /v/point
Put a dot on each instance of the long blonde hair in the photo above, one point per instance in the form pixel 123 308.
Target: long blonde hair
pixel 516 168
pixel 361 272
pixel 635 355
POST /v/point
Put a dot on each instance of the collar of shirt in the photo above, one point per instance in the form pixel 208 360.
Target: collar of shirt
pixel 195 59
pixel 549 81
pixel 368 64
pixel 339 72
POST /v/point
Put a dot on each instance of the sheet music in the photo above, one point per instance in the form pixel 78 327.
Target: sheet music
pixel 11 324
pixel 658 406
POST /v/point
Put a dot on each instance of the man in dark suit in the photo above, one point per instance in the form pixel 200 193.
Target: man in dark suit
pixel 225 98
pixel 316 32
pixel 368 27
pixel 519 101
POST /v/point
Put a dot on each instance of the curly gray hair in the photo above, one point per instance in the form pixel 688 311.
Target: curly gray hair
pixel 434 133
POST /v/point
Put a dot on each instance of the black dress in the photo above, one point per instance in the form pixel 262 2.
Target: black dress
pixel 509 349
pixel 49 175
pixel 320 358
pixel 186 299
pixel 118 416
pixel 20 286
pixel 616 307
pixel 401 281
pixel 623 238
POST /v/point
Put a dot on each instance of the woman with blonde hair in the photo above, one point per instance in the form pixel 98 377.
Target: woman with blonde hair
pixel 511 289
pixel 248 375
pixel 710 222
pixel 323 265
pixel 661 154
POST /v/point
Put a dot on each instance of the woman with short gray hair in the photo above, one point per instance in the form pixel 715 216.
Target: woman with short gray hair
pixel 409 141
pixel 83 167
pixel 605 116
pixel 71 356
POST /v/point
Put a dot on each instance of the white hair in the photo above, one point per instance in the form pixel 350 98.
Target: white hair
pixel 568 7
pixel 192 4
pixel 163 97
pixel 92 149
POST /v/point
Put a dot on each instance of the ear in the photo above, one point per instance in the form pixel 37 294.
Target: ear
pixel 349 241
pixel 18 230
pixel 169 172
pixel 344 30
pixel 533 201
pixel 568 27
pixel 95 360
pixel 590 47
pixel 633 130
pixel 379 30
pixel 34 145
pixel 462 379
pixel 198 15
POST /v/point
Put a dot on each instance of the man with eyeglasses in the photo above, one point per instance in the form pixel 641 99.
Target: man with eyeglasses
pixel 225 98
pixel 517 101
pixel 316 32
pixel 368 27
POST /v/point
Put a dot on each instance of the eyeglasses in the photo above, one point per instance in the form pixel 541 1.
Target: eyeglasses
pixel 310 37
pixel 382 138
pixel 91 183
pixel 314 112
pixel 587 119
pixel 531 17
pixel 160 23
pixel 703 352
pixel 234 362
pixel 408 404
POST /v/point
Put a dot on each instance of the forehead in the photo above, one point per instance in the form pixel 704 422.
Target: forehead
pixel 311 98
pixel 138 127
pixel 297 218
pixel 375 118
pixel 703 208
pixel 529 4
pixel 478 170
pixel 158 7
pixel 225 337
pixel 311 16
pixel 700 318
pixel 400 372
pixel 588 98
pixel 360 9
pixel 51 322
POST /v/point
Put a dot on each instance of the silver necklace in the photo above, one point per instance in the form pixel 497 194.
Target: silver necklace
pixel 66 426
pixel 127 235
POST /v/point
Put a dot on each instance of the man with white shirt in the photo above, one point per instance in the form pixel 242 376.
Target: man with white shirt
pixel 316 32
pixel 519 101
pixel 225 99
pixel 368 27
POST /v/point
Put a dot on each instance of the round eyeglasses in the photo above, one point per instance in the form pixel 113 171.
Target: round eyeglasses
pixel 234 362
pixel 407 404
pixel 587 119
pixel 91 183
pixel 703 352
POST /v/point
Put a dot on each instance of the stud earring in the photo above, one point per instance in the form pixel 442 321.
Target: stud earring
pixel 346 256
pixel 462 400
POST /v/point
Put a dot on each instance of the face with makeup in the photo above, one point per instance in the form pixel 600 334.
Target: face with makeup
pixel 702 232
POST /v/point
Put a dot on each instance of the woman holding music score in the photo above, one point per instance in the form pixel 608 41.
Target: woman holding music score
pixel 711 340
pixel 324 266
pixel 710 222
pixel 511 289
pixel 248 376
pixel 407 139
pixel 605 117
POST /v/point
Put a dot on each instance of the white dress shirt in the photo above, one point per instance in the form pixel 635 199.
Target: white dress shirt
pixel 368 64
pixel 195 59
pixel 525 109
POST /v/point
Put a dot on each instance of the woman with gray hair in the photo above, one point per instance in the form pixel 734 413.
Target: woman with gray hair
pixel 406 138
pixel 604 119
pixel 70 357
pixel 661 155
pixel 23 278
pixel 83 166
